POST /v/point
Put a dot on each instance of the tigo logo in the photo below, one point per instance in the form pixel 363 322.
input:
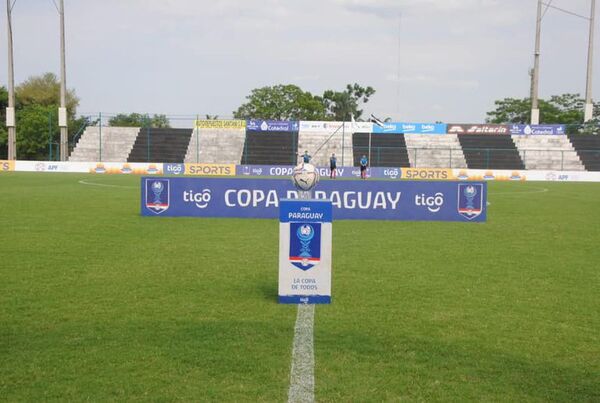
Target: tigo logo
pixel 200 199
pixel 174 169
pixel 433 203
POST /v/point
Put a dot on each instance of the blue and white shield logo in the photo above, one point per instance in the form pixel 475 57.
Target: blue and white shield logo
pixel 470 200
pixel 305 245
pixel 157 195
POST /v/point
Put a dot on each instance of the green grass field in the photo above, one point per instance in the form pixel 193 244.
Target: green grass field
pixel 98 303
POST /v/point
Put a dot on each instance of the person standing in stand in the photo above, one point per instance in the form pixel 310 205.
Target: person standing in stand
pixel 306 157
pixel 364 162
pixel 332 167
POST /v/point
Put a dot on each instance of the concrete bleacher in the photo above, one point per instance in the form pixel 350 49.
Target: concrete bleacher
pixel 270 148
pixel 490 151
pixel 434 151
pixel 160 145
pixel 108 144
pixel 387 150
pixel 312 140
pixel 588 150
pixel 216 146
pixel 545 152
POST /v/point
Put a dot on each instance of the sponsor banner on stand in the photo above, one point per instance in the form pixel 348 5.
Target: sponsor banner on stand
pixel 351 200
pixel 508 175
pixel 341 172
pixel 538 129
pixel 51 166
pixel 469 128
pixel 6 166
pixel 220 124
pixel 428 174
pixel 135 168
pixel 210 169
pixel 410 128
pixel 490 174
pixel 330 127
pixel 271 126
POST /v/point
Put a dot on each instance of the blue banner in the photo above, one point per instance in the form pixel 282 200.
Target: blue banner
pixel 342 172
pixel 411 128
pixel 352 200
pixel 271 126
pixel 538 129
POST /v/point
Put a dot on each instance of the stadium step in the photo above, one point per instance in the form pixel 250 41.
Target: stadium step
pixel 490 151
pixel 588 149
pixel 109 144
pixel 160 145
pixel 387 150
pixel 270 148
pixel 216 146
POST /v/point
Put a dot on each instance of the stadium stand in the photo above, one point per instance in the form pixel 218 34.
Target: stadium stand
pixel 311 141
pixel 216 146
pixel 434 151
pixel 588 149
pixel 490 151
pixel 160 145
pixel 547 152
pixel 387 150
pixel 270 148
pixel 111 144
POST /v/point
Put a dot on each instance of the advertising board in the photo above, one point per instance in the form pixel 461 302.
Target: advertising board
pixel 351 200
pixel 271 126
pixel 410 128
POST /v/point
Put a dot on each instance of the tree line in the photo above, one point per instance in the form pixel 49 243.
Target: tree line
pixel 37 101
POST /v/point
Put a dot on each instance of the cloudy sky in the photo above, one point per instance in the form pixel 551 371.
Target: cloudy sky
pixel 428 60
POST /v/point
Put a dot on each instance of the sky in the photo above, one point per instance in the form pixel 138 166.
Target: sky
pixel 428 60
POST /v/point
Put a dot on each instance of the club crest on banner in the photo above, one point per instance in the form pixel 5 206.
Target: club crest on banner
pixel 157 195
pixel 305 245
pixel 470 200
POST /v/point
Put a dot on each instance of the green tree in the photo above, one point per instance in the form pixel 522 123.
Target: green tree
pixel 559 109
pixel 139 120
pixel 36 127
pixel 281 102
pixel 44 90
pixel 37 100
pixel 342 106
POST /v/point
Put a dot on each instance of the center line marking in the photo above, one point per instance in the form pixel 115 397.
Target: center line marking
pixel 302 376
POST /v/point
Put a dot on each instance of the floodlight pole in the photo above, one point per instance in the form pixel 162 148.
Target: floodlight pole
pixel 62 111
pixel 535 111
pixel 589 106
pixel 10 110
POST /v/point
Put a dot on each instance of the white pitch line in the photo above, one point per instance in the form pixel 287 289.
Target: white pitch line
pixel 302 376
pixel 536 190
pixel 106 185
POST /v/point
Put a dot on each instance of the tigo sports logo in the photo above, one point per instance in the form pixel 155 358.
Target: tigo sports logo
pixel 305 245
pixel 470 200
pixel 157 195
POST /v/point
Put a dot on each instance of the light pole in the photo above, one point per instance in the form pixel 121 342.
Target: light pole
pixel 62 111
pixel 535 111
pixel 589 106
pixel 10 110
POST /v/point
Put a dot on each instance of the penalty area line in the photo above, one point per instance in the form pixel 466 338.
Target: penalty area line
pixel 105 185
pixel 302 377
